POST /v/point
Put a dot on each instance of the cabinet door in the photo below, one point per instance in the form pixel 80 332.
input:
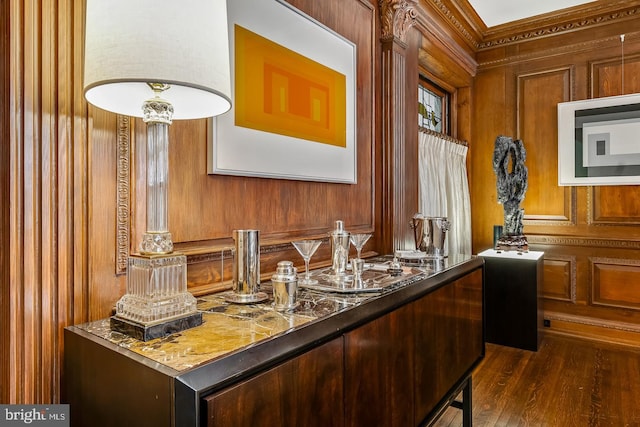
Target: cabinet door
pixel 304 391
pixel 379 372
pixel 449 339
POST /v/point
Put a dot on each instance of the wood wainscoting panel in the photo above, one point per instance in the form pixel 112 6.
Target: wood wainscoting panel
pixel 489 119
pixel 538 95
pixel 606 75
pixel 614 205
pixel 590 287
pixel 524 71
pixel 615 283
pixel 559 278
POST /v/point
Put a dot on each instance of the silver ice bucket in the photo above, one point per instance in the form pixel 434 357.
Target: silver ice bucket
pixel 430 234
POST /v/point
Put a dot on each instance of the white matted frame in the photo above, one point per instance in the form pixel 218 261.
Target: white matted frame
pixel 235 150
pixel 599 141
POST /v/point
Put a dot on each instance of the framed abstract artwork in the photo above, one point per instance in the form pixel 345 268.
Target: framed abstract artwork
pixel 293 89
pixel 599 141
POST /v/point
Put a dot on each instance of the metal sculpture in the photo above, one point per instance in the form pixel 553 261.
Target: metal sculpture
pixel 511 173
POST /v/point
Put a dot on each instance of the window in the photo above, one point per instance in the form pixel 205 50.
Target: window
pixel 433 107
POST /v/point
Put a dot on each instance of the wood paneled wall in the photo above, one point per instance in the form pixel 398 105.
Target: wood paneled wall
pixel 44 198
pixel 205 209
pixel 590 235
pixel 5 154
pixel 72 187
pixel 72 176
pixel 417 38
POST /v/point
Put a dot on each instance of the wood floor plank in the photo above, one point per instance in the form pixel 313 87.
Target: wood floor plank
pixel 544 380
pixel 633 368
pixel 499 383
pixel 567 382
pixel 572 391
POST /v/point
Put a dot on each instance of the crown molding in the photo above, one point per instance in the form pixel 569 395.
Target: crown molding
pixel 568 20
pixel 463 19
pixel 448 30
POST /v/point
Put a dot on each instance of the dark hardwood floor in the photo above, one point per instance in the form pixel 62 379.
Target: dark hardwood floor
pixel 567 382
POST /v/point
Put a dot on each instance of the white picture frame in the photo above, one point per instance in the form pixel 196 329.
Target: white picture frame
pixel 236 150
pixel 599 141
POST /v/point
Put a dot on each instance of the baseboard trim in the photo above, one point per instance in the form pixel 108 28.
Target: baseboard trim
pixel 613 332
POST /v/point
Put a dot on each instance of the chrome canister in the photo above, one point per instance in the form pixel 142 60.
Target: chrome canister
pixel 246 267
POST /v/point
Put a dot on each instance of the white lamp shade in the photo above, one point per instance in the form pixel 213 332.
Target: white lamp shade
pixel 185 44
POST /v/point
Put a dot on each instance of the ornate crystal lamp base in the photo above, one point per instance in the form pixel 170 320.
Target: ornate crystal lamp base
pixel 157 302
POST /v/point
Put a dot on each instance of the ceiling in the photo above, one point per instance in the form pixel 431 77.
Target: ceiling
pixel 496 12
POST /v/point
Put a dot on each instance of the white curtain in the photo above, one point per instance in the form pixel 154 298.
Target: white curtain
pixel 444 188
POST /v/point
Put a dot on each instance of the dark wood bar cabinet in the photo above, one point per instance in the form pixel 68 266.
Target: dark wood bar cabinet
pixel 396 358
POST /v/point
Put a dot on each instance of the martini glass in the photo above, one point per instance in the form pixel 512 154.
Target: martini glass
pixel 306 248
pixel 358 240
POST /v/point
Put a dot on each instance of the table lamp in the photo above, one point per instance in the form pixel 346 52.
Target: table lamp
pixel 147 58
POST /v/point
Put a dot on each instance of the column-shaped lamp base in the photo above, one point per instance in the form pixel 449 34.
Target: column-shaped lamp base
pixel 157 302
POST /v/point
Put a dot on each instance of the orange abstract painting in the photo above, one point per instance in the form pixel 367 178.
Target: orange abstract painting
pixel 280 91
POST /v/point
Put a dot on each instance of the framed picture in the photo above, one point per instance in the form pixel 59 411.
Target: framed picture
pixel 293 85
pixel 599 141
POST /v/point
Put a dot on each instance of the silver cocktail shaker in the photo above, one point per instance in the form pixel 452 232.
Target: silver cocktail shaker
pixel 339 249
pixel 285 286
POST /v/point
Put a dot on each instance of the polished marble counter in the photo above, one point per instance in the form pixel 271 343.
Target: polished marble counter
pixel 226 327
pixel 229 327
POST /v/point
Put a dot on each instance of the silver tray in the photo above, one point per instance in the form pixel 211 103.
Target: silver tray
pixel 375 278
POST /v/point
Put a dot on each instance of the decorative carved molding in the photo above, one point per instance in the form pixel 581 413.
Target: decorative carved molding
pixel 207 257
pixel 574 276
pixel 590 197
pixel 396 18
pixel 123 202
pixel 558 28
pixel 615 261
pixel 554 24
pixel 473 41
pixel 226 252
pixel 269 249
pixel 582 241
pixel 557 50
pixel 590 321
